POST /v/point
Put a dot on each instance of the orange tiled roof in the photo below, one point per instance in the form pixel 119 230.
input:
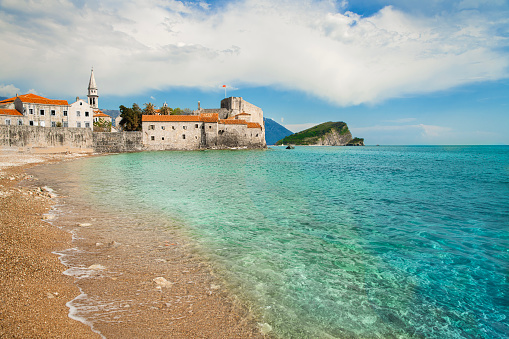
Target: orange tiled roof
pixel 243 113
pixel 254 125
pixel 99 114
pixel 4 111
pixel 232 122
pixel 209 117
pixel 176 118
pixel 36 99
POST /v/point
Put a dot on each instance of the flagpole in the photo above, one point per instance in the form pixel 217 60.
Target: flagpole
pixel 224 91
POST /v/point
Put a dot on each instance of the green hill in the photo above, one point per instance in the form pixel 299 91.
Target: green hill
pixel 329 133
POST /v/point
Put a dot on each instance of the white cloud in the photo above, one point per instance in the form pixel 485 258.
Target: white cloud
pixel 8 90
pixel 306 45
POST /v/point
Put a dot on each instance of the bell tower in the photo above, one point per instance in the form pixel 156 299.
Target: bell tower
pixel 93 97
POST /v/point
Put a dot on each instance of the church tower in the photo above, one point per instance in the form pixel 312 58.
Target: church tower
pixel 93 98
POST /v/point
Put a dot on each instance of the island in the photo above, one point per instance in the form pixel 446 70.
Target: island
pixel 326 134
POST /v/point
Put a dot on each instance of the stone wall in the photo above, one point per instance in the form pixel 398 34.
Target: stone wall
pixel 28 137
pixel 105 142
pixel 61 139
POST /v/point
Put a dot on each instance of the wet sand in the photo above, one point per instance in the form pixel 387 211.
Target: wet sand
pixel 125 279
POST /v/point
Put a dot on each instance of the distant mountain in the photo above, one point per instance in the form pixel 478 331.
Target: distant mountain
pixel 3 98
pixel 274 131
pixel 329 134
pixel 113 113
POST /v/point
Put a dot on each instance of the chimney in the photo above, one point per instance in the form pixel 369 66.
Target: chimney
pixel 199 108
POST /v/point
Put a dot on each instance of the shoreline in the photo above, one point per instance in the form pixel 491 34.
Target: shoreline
pixel 190 302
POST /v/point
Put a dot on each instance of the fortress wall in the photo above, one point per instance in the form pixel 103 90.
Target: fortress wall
pixel 61 139
pixel 106 142
pixel 170 135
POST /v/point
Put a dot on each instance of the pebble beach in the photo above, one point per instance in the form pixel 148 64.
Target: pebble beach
pixel 35 292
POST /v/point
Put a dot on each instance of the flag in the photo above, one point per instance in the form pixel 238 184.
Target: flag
pixel 224 85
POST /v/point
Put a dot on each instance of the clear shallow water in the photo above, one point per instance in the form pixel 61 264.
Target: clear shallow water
pixel 333 241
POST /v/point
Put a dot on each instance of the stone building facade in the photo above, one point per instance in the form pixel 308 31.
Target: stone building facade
pixel 201 131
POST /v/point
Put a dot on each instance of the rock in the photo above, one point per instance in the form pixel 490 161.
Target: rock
pixel 85 224
pixel 161 282
pixel 48 217
pixel 114 244
pixel 96 267
pixel 265 328
pixel 214 287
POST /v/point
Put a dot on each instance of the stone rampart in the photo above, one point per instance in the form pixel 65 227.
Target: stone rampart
pixel 105 142
pixel 61 139
pixel 29 137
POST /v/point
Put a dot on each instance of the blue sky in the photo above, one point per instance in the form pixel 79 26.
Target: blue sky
pixel 398 72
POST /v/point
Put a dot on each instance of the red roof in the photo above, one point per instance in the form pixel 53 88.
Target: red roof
pixel 35 99
pixel 209 117
pixel 253 125
pixel 4 111
pixel 232 122
pixel 176 118
pixel 243 113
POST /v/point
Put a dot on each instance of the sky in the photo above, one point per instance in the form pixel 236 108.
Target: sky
pixel 396 71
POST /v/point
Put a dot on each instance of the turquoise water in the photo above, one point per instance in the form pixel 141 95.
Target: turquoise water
pixel 330 242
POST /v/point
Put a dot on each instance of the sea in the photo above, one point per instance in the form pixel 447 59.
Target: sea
pixel 334 242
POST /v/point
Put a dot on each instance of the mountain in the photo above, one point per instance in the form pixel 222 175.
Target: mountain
pixel 3 98
pixel 326 134
pixel 274 131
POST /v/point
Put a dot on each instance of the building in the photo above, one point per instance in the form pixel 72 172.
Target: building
pixel 35 110
pixel 207 128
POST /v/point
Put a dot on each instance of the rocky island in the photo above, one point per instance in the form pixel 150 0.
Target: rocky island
pixel 326 134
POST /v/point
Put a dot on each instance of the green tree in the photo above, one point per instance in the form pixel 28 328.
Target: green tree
pixel 177 111
pixel 165 110
pixel 102 125
pixel 131 117
pixel 149 109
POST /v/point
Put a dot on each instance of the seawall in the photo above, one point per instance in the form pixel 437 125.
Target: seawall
pixel 62 139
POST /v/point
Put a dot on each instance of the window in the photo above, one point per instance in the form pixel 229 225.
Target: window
pixel 7 122
pixel 53 112
pixel 196 137
pixel 66 124
pixel 183 136
pixel 257 135
pixel 162 127
pixel 152 137
pixel 78 124
pixel 172 127
pixel 31 122
pixel 184 127
pixel 24 110
pixel 20 122
pixel 195 125
pixel 87 124
pixel 162 138
pixel 81 103
pixel 86 114
pixel 210 127
pixel 41 112
pixel 78 113
pixel 42 124
pixel 31 111
pixel 53 124
pixel 65 113
pixel 151 127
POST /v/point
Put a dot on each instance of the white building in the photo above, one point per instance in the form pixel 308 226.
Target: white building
pixel 81 115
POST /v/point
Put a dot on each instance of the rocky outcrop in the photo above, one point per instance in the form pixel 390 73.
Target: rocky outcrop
pixel 326 134
pixel 334 138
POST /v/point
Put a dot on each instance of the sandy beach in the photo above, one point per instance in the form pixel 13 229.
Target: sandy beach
pixel 176 295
